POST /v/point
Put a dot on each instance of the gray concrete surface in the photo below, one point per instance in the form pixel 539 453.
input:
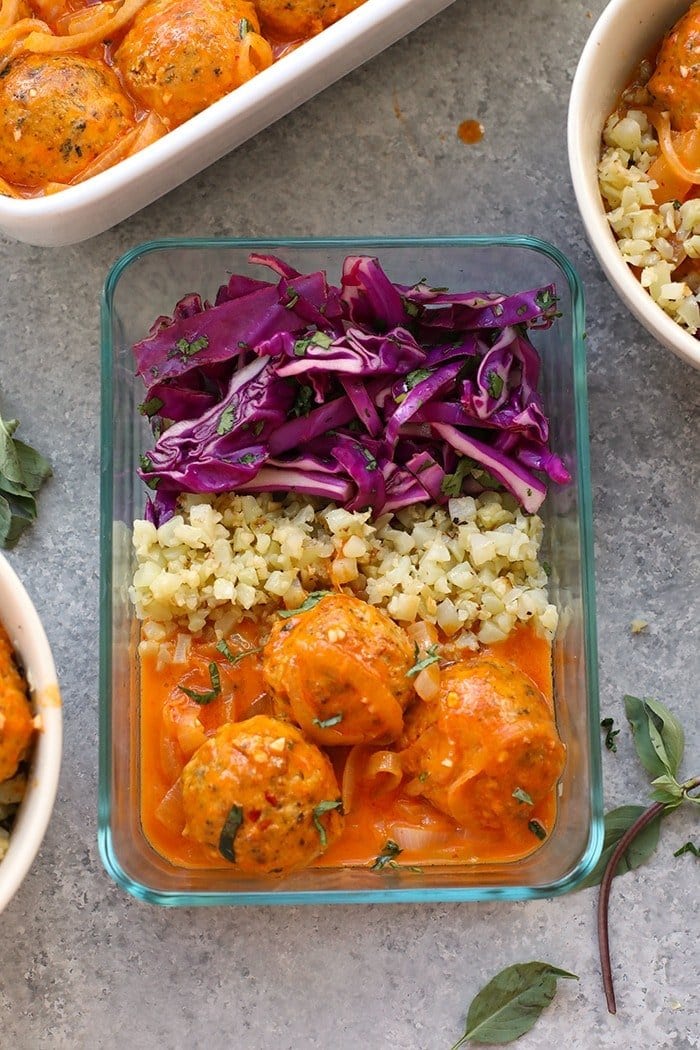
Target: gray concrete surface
pixel 84 965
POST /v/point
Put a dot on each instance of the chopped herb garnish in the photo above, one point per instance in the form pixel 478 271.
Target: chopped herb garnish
pixel 421 662
pixel 369 458
pixel 226 421
pixel 547 568
pixel 452 483
pixel 258 428
pixel 324 807
pixel 151 407
pixel 304 401
pixel 416 377
pixel 544 299
pixel 689 847
pixel 228 833
pixel 247 459
pixel 244 28
pixel 210 694
pixel 293 297
pixel 390 852
pixel 313 599
pixel 235 658
pixel 387 859
pixel 423 776
pixel 537 829
pixel 610 733
pixel 186 349
pixel 326 723
pixel 321 339
pixel 495 384
pixel 411 308
pixel 522 796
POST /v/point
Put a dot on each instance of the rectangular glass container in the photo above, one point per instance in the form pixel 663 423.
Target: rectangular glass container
pixel 147 282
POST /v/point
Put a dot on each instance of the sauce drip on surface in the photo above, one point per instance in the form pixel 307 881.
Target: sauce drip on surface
pixel 470 131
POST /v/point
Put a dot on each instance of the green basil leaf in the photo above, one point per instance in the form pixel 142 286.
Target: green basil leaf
pixel 35 468
pixel 667 790
pixel 648 733
pixel 617 822
pixel 228 833
pixel 667 735
pixel 5 521
pixel 509 1005
pixel 313 599
pixel 319 810
pixel 431 657
pixel 204 698
pixel 390 852
pixel 9 460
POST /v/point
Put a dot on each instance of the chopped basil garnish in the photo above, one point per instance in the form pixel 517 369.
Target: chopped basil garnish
pixel 431 657
pixel 186 349
pixel 326 723
pixel 228 833
pixel 387 859
pixel 235 658
pixel 689 847
pixel 151 407
pixel 313 599
pixel 416 377
pixel 495 384
pixel 324 807
pixel 522 796
pixel 610 733
pixel 390 852
pixel 321 339
pixel 304 401
pixel 210 694
pixel 226 421
pixel 244 27
pixel 537 829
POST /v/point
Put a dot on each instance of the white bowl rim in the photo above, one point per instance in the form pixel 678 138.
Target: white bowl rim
pixel 27 635
pixel 600 235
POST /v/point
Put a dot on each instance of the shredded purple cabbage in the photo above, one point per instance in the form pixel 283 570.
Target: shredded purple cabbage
pixel 372 394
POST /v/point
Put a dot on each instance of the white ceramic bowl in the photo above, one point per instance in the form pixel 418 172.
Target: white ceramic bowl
pixel 92 206
pixel 27 635
pixel 624 34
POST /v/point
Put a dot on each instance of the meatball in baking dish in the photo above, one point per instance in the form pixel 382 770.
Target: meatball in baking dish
pixel 340 671
pixel 180 56
pixel 262 796
pixel 486 750
pixel 60 111
pixel 16 719
pixel 294 19
pixel 676 84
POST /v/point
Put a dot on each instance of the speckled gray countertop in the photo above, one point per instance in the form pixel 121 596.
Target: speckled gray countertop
pixel 84 965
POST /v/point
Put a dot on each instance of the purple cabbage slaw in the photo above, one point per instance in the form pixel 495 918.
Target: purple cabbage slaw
pixel 373 394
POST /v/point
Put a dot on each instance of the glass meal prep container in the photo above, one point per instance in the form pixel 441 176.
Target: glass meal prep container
pixel 146 283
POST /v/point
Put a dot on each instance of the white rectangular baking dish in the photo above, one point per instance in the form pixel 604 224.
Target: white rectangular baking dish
pixel 91 207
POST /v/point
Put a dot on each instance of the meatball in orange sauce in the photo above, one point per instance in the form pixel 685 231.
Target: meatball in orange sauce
pixel 486 750
pixel 179 56
pixel 262 797
pixel 59 112
pixel 292 19
pixel 340 671
pixel 675 84
pixel 16 719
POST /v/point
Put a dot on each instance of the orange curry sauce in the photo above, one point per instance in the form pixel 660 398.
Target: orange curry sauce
pixel 373 818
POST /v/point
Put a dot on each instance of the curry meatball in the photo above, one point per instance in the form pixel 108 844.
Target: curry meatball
pixel 262 796
pixel 675 83
pixel 294 19
pixel 179 56
pixel 340 671
pixel 486 750
pixel 16 719
pixel 59 112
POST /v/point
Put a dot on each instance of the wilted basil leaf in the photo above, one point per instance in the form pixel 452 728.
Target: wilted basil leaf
pixel 617 822
pixel 509 1005
pixel 22 472
pixel 667 790
pixel 658 736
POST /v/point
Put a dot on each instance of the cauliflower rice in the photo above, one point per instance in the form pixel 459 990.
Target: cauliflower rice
pixel 654 239
pixel 472 567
